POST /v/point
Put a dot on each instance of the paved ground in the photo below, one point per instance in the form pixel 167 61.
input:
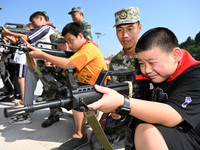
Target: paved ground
pixel 32 136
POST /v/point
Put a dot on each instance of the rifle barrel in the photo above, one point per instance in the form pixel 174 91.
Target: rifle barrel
pixel 19 110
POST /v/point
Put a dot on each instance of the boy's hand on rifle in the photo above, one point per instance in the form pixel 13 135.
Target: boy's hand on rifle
pixel 109 102
pixel 35 53
pixel 4 31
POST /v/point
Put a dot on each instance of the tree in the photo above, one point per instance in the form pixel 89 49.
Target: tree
pixel 197 38
pixel 192 46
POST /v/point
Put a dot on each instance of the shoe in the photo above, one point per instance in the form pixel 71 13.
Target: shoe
pixel 51 119
pixel 8 99
pixel 21 119
pixel 74 143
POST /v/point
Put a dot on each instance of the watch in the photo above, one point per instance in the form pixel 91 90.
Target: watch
pixel 125 109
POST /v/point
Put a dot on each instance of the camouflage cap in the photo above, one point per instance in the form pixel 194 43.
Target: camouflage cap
pixel 44 12
pixel 57 38
pixel 76 9
pixel 127 15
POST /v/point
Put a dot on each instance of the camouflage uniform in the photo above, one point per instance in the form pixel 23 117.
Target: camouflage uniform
pixel 121 61
pixel 115 130
pixel 87 29
pixel 85 24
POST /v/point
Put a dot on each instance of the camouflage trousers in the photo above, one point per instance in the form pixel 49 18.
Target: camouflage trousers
pixel 115 131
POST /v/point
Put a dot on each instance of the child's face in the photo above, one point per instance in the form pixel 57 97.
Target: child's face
pixel 74 42
pixel 157 65
pixel 64 46
pixel 38 21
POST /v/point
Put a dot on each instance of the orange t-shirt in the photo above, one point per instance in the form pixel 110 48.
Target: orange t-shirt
pixel 89 63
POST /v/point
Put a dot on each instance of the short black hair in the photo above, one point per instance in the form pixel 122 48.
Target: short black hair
pixel 73 28
pixel 37 14
pixel 160 37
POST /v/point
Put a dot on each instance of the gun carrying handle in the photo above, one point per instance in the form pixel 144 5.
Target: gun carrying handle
pixel 104 74
pixel 56 45
pixel 17 25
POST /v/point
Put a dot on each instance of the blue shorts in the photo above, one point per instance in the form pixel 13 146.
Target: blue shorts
pixel 20 70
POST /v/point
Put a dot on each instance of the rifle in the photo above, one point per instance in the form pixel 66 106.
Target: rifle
pixel 16 27
pixel 23 47
pixel 77 96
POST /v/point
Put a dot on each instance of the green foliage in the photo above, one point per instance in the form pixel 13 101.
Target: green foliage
pixel 192 46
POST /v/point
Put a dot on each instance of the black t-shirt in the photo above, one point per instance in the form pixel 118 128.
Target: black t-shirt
pixel 182 92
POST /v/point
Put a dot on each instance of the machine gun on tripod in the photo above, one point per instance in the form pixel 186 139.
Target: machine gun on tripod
pixel 77 96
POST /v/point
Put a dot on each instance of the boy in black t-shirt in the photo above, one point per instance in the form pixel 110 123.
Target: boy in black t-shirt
pixel 172 119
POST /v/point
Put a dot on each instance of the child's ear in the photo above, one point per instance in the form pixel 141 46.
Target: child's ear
pixel 177 54
pixel 41 18
pixel 80 35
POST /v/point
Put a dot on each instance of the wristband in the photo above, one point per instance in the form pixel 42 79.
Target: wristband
pixel 125 109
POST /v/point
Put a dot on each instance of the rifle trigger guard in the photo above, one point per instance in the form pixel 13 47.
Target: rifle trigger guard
pixel 88 110
pixel 82 103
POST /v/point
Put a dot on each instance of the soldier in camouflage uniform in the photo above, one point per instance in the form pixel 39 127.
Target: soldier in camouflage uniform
pixel 128 27
pixel 77 16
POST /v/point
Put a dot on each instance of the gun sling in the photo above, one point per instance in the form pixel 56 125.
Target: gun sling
pixel 96 127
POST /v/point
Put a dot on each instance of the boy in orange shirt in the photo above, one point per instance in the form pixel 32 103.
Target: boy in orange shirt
pixel 88 62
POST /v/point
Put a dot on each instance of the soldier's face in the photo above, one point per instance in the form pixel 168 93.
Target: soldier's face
pixel 76 17
pixel 128 34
